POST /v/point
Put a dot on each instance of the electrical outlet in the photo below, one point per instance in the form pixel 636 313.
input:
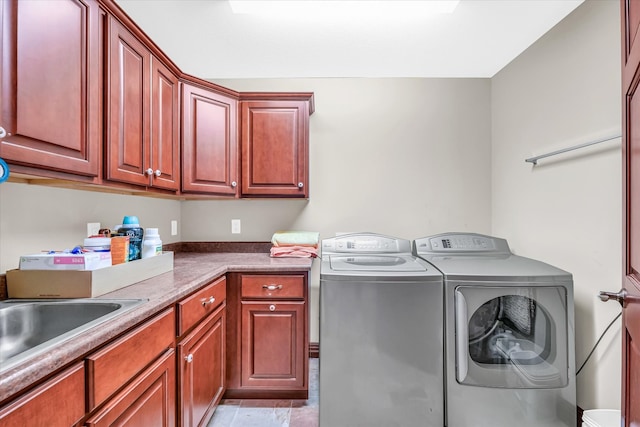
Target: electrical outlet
pixel 174 227
pixel 235 226
pixel 93 228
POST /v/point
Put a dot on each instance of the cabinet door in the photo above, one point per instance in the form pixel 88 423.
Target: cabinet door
pixel 50 85
pixel 165 127
pixel 57 402
pixel 128 106
pixel 275 148
pixel 272 344
pixel 202 360
pixel 209 142
pixel 148 401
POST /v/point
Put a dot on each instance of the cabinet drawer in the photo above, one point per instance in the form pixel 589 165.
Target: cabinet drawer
pixel 199 305
pixel 113 366
pixel 58 402
pixel 272 287
pixel 147 401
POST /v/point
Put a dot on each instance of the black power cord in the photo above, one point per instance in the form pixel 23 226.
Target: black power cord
pixel 598 342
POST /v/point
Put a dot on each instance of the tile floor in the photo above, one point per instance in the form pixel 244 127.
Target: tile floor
pixel 271 413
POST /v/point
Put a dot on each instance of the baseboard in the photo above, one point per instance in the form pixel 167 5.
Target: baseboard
pixel 580 411
pixel 314 350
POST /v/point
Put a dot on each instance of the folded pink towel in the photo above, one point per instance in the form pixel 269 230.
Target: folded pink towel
pixel 294 252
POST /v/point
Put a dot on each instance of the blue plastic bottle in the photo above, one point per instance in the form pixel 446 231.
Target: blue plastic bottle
pixel 131 227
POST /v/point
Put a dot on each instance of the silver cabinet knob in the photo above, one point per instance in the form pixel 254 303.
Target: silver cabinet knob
pixel 272 307
pixel 189 358
pixel 234 184
pixel 157 172
pixel 620 296
pixel 300 185
pixel 3 132
pixel 149 171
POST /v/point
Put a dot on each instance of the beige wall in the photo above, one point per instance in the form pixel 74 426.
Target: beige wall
pixel 35 218
pixel 563 91
pixel 403 157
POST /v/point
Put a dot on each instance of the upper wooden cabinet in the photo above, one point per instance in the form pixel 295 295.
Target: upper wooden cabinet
pixel 209 142
pixel 143 115
pixel 51 85
pixel 86 96
pixel 275 147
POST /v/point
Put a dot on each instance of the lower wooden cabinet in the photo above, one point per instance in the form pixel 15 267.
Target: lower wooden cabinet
pixel 148 401
pixel 268 339
pixel 242 336
pixel 119 362
pixel 57 402
pixel 273 344
pixel 201 360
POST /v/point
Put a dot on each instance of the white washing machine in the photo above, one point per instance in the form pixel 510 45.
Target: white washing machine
pixel 381 335
pixel 509 334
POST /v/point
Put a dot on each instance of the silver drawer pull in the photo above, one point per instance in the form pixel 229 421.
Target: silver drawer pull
pixel 271 287
pixel 206 301
pixel 272 307
pixel 189 358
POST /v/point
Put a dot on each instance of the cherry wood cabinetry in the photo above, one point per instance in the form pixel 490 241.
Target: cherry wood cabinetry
pixel 165 128
pixel 148 401
pixel 59 402
pixel 51 86
pixel 119 362
pixel 143 114
pixel 201 357
pixel 268 340
pixel 209 142
pixel 275 146
pixel 107 112
pixel 201 353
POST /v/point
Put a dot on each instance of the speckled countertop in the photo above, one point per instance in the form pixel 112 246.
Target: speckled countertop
pixel 191 272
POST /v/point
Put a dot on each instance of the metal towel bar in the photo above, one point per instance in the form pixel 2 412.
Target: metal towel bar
pixel 535 159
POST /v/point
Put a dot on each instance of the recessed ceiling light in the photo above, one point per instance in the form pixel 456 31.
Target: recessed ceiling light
pixel 350 8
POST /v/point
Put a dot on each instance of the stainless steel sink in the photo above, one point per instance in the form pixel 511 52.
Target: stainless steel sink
pixel 30 327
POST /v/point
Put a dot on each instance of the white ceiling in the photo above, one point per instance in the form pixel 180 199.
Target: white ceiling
pixel 204 38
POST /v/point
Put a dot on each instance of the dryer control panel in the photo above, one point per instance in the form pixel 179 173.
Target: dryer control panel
pixel 365 243
pixel 461 242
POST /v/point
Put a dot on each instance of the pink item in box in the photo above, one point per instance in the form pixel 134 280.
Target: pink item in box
pixel 63 261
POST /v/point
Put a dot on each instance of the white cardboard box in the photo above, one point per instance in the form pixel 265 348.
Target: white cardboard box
pixel 61 261
pixel 85 283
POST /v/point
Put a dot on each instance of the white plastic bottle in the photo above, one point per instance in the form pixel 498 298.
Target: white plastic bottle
pixel 151 244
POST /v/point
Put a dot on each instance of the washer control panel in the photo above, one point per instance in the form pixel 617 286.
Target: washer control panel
pixel 365 243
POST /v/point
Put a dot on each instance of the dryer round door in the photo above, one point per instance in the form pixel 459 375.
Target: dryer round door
pixel 511 336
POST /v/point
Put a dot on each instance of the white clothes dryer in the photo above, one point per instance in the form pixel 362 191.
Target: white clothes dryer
pixel 509 334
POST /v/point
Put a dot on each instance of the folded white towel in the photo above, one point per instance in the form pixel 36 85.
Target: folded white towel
pixel 296 238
